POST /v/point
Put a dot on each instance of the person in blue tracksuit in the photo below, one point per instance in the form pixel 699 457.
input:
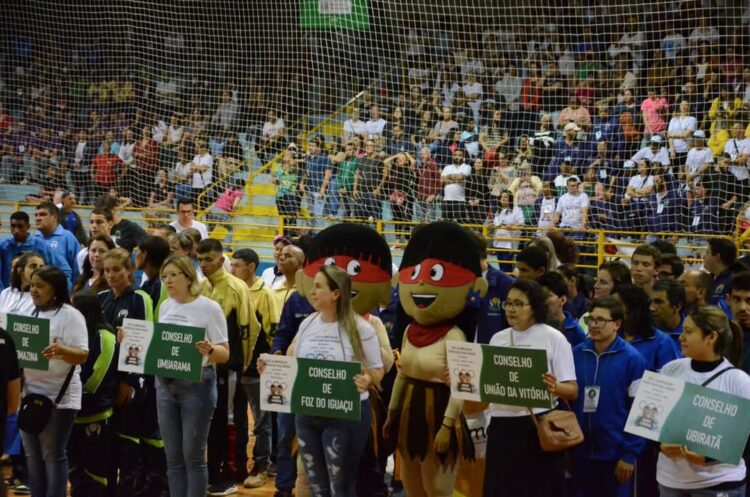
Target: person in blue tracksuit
pixel 638 329
pixel 556 291
pixel 491 316
pixel 608 370
pixel 62 243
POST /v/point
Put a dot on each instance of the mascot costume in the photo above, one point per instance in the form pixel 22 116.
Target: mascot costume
pixel 366 257
pixel 440 292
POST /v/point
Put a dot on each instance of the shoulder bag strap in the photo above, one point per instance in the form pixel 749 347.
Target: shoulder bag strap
pixel 65 384
pixel 705 383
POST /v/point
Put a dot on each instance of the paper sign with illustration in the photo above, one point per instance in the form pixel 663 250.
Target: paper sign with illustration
pixel 311 387
pixel 30 336
pixel 503 375
pixel 161 349
pixel 708 422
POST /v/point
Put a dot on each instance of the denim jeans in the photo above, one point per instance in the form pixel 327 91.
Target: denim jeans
pixel 426 212
pixel 185 409
pixel 331 449
pixel 370 206
pixel 701 492
pixel 286 473
pixel 47 457
pixel 262 426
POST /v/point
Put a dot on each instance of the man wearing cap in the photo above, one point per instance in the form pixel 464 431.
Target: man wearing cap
pixel 567 147
pixel 699 158
pixel 573 209
pixel 679 132
pixel 655 152
pixel 272 276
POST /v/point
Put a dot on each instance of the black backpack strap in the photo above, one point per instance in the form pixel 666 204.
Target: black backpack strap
pixel 65 385
pixel 717 375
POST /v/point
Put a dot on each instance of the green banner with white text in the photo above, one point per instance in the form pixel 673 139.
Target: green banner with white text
pixel 30 336
pixel 334 14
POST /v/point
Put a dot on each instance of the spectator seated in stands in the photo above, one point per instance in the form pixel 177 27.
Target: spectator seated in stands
pixel 201 174
pixel 50 183
pixel 567 148
pixel 222 210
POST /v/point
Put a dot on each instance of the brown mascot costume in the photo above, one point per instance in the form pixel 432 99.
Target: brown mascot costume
pixel 440 290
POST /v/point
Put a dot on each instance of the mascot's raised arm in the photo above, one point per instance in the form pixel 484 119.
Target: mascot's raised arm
pixel 440 291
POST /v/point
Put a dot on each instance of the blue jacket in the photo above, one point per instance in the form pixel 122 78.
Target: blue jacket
pixel 616 371
pixel 572 330
pixel 64 247
pixel 491 315
pixel 657 350
pixel 9 248
pixel 719 288
pixel 295 310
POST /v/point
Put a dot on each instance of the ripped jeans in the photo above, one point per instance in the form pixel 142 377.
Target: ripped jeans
pixel 331 449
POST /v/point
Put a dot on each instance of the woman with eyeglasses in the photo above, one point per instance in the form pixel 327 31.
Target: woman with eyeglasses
pixel 185 407
pixel 516 464
pixel 707 340
pixel 608 370
pixel 331 448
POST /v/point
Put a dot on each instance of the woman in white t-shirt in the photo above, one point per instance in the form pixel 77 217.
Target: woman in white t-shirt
pixel 185 407
pixel 331 448
pixel 516 464
pixel 16 299
pixel 707 339
pixel 46 454
pixel 508 218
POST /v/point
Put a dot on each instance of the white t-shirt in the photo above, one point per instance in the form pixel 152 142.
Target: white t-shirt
pixel 126 153
pixel 373 128
pixel 546 212
pixel 681 125
pixel 470 90
pixel 679 473
pixel 196 224
pixel 201 313
pixel 69 326
pixel 455 191
pixel 274 129
pixel 697 158
pixel 735 148
pixel 559 359
pixel 353 127
pixel 504 218
pixel 14 301
pixel 662 156
pixel 202 180
pixel 639 181
pixel 320 340
pixel 570 207
pixel 273 280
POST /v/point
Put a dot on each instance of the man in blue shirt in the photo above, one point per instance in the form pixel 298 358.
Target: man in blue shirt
pixel 20 241
pixel 61 242
pixel 720 256
pixel 318 173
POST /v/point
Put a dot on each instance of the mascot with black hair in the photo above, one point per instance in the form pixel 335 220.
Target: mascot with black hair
pixel 366 257
pixel 440 291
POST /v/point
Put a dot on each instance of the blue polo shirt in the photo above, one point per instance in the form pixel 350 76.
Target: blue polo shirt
pixel 720 287
pixel 64 248
pixel 9 248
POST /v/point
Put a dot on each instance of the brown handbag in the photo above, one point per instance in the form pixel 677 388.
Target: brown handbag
pixel 557 430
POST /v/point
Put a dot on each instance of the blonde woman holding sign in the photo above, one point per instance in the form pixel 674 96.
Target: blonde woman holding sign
pixel 707 339
pixel 185 407
pixel 331 448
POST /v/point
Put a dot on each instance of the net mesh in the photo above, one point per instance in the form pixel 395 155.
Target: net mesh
pixel 611 115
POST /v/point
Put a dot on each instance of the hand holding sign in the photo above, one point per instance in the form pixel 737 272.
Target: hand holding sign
pixel 363 381
pixel 54 350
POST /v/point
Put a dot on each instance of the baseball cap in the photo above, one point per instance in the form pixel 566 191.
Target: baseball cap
pixel 629 164
pixel 572 126
pixel 699 134
pixel 573 178
pixel 656 139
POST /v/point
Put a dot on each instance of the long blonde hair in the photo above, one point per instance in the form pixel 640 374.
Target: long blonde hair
pixel 338 279
pixel 185 265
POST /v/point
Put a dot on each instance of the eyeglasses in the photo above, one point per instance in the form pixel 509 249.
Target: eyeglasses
pixel 514 306
pixel 592 321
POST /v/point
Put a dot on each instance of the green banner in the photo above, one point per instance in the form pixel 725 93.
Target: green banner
pixel 30 336
pixel 311 387
pixel 334 14
pixel 502 375
pixel 173 353
pixel 708 422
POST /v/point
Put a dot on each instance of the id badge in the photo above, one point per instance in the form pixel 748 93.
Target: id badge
pixel 591 399
pixel 660 208
pixel 696 220
pixel 602 174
